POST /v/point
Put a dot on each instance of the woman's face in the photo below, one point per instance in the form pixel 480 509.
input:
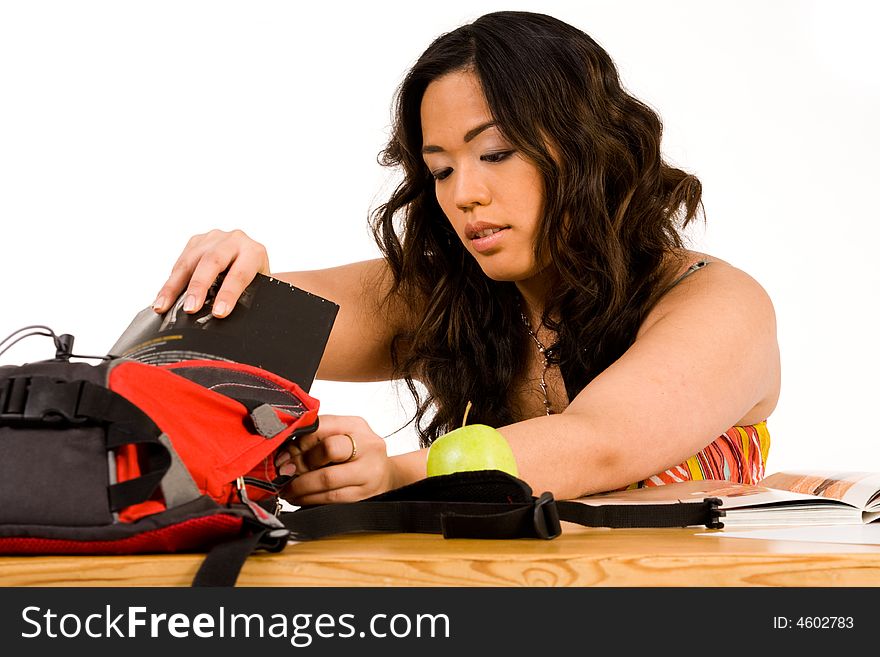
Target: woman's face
pixel 491 195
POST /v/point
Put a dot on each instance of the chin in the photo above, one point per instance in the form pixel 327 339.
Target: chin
pixel 504 272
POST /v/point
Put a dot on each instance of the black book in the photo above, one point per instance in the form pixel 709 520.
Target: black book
pixel 275 326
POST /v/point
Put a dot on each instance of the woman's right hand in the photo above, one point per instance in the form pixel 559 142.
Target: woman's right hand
pixel 204 258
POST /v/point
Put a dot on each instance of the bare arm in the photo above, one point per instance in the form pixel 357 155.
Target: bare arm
pixel 705 358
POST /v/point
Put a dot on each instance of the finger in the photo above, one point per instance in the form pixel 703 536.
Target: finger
pixel 289 465
pixel 346 494
pixel 331 450
pixel 335 449
pixel 210 266
pixel 329 484
pixel 291 460
pixel 284 462
pixel 242 271
pixel 180 275
pixel 329 425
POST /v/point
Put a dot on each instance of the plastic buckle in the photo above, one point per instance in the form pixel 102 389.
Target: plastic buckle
pixel 40 399
pixel 546 517
pixel 13 397
pixel 52 401
pixel 716 513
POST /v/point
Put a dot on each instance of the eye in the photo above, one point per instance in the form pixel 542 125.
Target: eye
pixel 442 174
pixel 496 157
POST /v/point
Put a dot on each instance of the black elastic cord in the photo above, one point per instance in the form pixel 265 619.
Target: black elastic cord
pixel 63 343
pixel 49 333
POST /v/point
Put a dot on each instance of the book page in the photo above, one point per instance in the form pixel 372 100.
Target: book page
pixel 860 489
pixel 852 534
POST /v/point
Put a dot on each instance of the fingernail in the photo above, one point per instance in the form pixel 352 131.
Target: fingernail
pixel 219 309
pixel 159 303
pixel 189 304
pixel 288 470
pixel 281 459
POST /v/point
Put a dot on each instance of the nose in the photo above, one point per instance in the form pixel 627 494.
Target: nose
pixel 470 189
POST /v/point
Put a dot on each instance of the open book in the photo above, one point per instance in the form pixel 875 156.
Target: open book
pixel 784 498
pixel 274 325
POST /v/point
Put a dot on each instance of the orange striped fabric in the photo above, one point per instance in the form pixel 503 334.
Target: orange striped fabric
pixel 739 455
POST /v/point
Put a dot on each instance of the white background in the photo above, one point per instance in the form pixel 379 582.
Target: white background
pixel 126 127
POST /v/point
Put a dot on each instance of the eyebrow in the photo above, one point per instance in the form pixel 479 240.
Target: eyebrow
pixel 468 136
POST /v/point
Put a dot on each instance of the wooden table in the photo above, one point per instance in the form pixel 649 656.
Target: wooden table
pixel 580 557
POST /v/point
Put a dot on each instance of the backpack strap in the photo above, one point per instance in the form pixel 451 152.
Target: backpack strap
pixel 222 565
pixel 622 516
pixel 480 504
pixel 539 518
pixel 493 520
pixel 535 519
pixel 43 401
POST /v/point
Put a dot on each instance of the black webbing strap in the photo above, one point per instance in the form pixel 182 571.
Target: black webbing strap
pixel 452 519
pixel 224 561
pixel 623 516
pixel 128 425
pixel 537 519
pixel 43 401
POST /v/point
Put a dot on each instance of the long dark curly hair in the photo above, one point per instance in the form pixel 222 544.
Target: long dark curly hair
pixel 612 215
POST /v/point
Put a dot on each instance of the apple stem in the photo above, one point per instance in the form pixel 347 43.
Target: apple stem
pixel 467 410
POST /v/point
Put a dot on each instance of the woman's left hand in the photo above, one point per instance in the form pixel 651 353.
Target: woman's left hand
pixel 343 461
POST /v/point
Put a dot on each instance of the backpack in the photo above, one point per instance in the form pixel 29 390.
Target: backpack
pixel 124 457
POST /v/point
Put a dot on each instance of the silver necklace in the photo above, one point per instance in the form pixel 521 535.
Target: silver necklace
pixel 548 407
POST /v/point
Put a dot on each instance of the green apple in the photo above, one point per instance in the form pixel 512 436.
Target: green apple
pixel 473 447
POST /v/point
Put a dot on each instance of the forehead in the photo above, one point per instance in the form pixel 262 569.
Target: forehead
pixel 453 104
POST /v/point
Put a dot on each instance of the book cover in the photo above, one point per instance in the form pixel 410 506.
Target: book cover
pixel 274 325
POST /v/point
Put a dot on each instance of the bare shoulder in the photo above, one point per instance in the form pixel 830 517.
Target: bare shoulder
pixel 718 289
pixel 721 310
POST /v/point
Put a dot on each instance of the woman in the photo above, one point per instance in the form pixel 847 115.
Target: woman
pixel 533 265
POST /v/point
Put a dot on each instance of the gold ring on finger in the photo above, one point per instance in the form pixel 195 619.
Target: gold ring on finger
pixel 354 448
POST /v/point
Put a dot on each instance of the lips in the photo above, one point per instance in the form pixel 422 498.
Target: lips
pixel 481 229
pixel 486 238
